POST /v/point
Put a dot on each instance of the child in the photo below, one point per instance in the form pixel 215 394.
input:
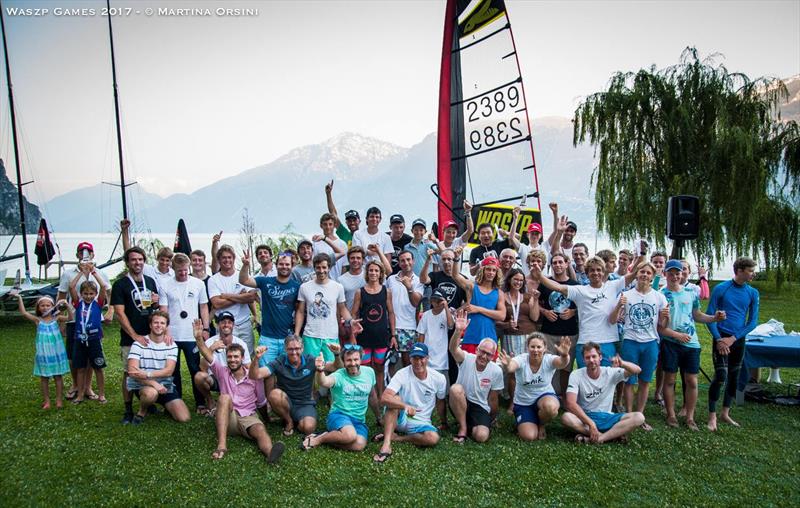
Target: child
pixel 51 356
pixel 88 348
pixel 433 330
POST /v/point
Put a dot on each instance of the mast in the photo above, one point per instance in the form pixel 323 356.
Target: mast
pixel 20 198
pixel 122 185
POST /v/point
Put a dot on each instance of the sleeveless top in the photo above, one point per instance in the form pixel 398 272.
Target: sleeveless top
pixel 480 326
pixel 374 315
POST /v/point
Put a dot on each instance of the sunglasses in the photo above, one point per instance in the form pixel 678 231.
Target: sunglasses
pixel 351 347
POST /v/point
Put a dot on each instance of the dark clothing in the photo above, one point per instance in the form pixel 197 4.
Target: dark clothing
pixel 295 383
pixel 374 314
pixel 553 300
pixel 494 250
pixel 726 371
pixel 452 292
pixel 399 246
pixel 189 350
pixel 123 293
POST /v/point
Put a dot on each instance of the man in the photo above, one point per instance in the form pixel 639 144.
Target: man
pixel 680 347
pixel 534 242
pixel 236 409
pixel 590 395
pixel 595 302
pixel 407 293
pixel 264 258
pixel 198 260
pixel 740 301
pixel 163 271
pixel 473 398
pixel 487 247
pixel 278 304
pixel 321 308
pixel 373 236
pixel 580 253
pixel 292 399
pixel 227 293
pixel 85 271
pixel 561 239
pixel 624 260
pixel 409 400
pixel 184 299
pixel 327 242
pixel 351 218
pixel 398 237
pixel 150 369
pixel 304 271
pixel 351 388
pixel 443 280
pixel 204 380
pixel 353 279
pixel 610 260
pixel 133 297
pixel 659 260
pixel 559 318
pixel 508 260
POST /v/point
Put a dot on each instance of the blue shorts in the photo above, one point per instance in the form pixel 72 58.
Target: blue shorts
pixel 530 414
pixel 643 354
pixel 608 350
pixel 676 357
pixel 603 420
pixel 337 421
pixel 407 427
pixel 274 349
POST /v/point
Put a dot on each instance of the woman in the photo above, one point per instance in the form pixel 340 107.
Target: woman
pixel 535 403
pixel 485 304
pixel 373 304
pixel 522 313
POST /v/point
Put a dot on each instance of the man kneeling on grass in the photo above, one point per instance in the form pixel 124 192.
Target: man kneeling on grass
pixel 236 408
pixel 150 370
pixel 590 394
pixel 351 389
pixel 409 400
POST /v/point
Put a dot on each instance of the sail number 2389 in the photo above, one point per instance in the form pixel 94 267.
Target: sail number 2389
pixel 492 135
pixel 502 103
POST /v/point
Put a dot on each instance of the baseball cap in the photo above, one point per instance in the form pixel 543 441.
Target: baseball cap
pixel 85 245
pixel 534 226
pixel 572 225
pixel 397 219
pixel 490 261
pixel 673 264
pixel 419 222
pixel 437 294
pixel 419 349
pixel 304 241
pixel 225 315
pixel 351 214
pixel 449 224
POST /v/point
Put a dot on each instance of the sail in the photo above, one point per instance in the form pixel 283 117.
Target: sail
pixel 484 144
pixel 182 243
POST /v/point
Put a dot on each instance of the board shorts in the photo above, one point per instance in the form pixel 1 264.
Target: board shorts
pixel 337 420
pixel 643 354
pixel 88 353
pixel 406 339
pixel 530 414
pixel 239 424
pixel 608 350
pixel 604 421
pixel 477 416
pixel 299 411
pixel 313 346
pixel 274 349
pixel 676 357
pixel 406 426
pixel 372 355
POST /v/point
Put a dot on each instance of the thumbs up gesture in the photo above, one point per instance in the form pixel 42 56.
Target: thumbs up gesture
pixel 319 363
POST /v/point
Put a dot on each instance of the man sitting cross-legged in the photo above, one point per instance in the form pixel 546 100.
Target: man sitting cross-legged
pixel 409 399
pixel 236 408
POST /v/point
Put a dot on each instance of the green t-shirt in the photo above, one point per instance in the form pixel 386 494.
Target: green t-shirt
pixel 351 394
pixel 344 234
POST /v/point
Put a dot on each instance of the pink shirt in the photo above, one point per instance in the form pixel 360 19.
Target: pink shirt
pixel 243 393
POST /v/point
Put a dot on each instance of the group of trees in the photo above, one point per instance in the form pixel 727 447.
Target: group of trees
pixel 696 128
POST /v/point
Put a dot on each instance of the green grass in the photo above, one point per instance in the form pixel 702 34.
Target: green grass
pixel 83 456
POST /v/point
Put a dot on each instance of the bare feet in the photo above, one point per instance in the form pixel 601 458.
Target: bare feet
pixel 672 422
pixel 682 413
pixel 542 435
pixel 46 404
pixel 712 422
pixel 727 419
pixel 219 453
pixel 646 427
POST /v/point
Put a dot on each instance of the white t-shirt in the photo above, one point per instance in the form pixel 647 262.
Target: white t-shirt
pixel 364 239
pixel 594 307
pixel 524 250
pixel 219 284
pixel 160 278
pixel 421 394
pixel 532 385
pixel 351 283
pixel 477 385
pixel 548 250
pixel 434 327
pixel 68 275
pixel 154 356
pixel 596 394
pixel 321 301
pixel 322 247
pixel 641 314
pixel 220 355
pixel 182 296
pixel 405 314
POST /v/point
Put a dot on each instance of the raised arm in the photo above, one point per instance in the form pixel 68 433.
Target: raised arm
pixel 563 361
pixel 513 238
pixel 205 351
pixel 245 279
pixel 323 380
pixel 331 206
pixel 214 249
pixel 424 276
pixel 257 372
pixel 461 324
pixel 124 229
pixel 27 315
pixel 552 240
pixel 470 226
pixel 536 274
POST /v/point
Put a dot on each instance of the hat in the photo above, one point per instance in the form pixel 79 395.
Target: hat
pixel 449 224
pixel 490 261
pixel 673 264
pixel 397 219
pixel 351 214
pixel 572 225
pixel 419 349
pixel 225 315
pixel 419 222
pixel 85 245
pixel 437 294
pixel 304 241
pixel 535 226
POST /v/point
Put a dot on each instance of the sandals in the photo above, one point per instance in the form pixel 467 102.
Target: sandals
pixel 102 400
pixel 378 438
pixel 219 453
pixel 673 422
pixel 93 396
pixel 459 439
pixel 288 431
pixel 306 445
pixel 71 394
pixel 692 425
pixel 75 402
pixel 381 457
pixel 275 453
pixel 581 439
pixel 646 427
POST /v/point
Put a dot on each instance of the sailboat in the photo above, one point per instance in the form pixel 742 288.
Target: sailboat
pixel 484 142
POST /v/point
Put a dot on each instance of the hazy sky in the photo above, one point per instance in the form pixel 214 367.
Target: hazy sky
pixel 208 97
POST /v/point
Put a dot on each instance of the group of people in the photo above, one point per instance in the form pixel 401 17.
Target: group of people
pixel 390 322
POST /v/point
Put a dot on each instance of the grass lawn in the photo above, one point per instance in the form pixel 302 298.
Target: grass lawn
pixel 83 456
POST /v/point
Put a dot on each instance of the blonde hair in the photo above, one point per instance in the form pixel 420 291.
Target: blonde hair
pixel 595 260
pixel 497 282
pixel 537 254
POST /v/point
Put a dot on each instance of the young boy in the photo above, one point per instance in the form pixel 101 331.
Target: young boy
pixel 88 346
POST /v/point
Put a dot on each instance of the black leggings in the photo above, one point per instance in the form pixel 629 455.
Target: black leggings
pixel 726 368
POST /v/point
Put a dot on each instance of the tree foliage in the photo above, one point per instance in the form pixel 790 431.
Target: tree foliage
pixel 695 128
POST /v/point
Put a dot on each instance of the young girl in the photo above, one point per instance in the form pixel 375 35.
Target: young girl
pixel 51 356
pixel 88 350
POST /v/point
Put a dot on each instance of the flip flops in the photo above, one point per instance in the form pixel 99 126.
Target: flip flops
pixel 275 453
pixel 377 438
pixel 459 439
pixel 219 453
pixel 381 457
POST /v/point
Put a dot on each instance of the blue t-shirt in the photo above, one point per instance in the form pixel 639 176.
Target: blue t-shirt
pixel 681 308
pixel 277 306
pixel 94 324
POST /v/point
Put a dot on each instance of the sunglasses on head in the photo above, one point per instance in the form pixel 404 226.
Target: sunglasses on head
pixel 351 347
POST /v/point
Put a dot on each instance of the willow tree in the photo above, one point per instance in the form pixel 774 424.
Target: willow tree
pixel 695 128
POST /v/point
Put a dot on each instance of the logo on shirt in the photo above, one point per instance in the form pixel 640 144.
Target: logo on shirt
pixel 641 315
pixel 448 290
pixel 600 296
pixel 594 393
pixel 486 383
pixel 319 308
pixel 558 302
pixel 536 380
pixel 374 313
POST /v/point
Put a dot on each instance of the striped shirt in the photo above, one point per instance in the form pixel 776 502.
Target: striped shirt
pixel 153 356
